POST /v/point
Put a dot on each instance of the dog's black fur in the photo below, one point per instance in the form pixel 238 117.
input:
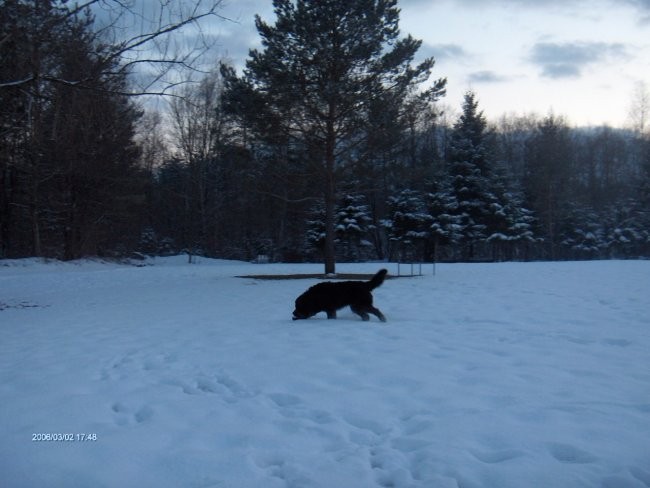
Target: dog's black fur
pixel 330 296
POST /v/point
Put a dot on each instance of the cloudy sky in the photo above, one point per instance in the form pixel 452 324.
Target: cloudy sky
pixel 577 58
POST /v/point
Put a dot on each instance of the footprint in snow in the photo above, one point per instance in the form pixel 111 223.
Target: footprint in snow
pixel 235 389
pixel 417 424
pixel 118 407
pixel 388 468
pixel 158 361
pixel 124 417
pixel 366 424
pixel 566 453
pixel 143 414
pixel 290 406
pixel 284 399
pixel 497 456
pixel 119 369
pixel 409 444
pixel 276 466
pixel 641 474
pixel 221 385
pixel 617 342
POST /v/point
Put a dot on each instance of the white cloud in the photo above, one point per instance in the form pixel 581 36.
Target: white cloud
pixel 443 51
pixel 567 60
pixel 487 76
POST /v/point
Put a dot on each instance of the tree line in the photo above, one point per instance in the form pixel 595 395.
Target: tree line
pixel 326 147
pixel 71 182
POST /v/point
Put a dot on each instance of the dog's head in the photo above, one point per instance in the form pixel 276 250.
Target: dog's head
pixel 303 309
pixel 297 315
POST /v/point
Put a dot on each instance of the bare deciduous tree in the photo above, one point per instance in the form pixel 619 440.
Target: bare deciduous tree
pixel 639 112
pixel 140 36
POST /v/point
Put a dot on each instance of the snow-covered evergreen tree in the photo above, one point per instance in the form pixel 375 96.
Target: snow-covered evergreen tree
pixel 410 224
pixel 624 232
pixel 582 232
pixel 315 235
pixel 487 209
pixel 642 213
pixel 442 207
pixel 510 224
pixel 353 221
pixel 469 168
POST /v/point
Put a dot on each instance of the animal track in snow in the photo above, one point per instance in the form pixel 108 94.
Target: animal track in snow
pixel 387 465
pixel 118 408
pixel 229 390
pixel 273 464
pixel 277 467
pixel 569 454
pixel 233 387
pixel 409 444
pixel 291 406
pixel 134 363
pixel 415 426
pixel 617 342
pixel 397 454
pixel 641 474
pixel 124 417
pixel 158 361
pixel 284 399
pixel 120 368
pixel 497 456
pixel 143 414
pixel 363 423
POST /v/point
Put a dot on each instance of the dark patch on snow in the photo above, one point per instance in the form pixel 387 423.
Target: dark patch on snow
pixel 23 304
pixel 319 276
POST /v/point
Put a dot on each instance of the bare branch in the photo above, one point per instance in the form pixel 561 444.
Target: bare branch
pixel 24 81
pixel 150 47
pixel 290 200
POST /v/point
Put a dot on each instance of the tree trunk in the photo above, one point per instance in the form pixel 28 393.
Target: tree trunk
pixel 330 197
pixel 36 228
pixel 330 209
pixel 5 211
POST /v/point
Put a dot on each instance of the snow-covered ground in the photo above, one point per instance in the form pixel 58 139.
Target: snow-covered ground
pixel 177 375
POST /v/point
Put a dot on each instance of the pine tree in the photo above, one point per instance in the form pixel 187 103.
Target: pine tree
pixel 520 230
pixel 550 159
pixel 644 197
pixel 409 224
pixel 510 224
pixel 353 222
pixel 469 167
pixel 582 232
pixel 624 233
pixel 442 207
pixel 322 64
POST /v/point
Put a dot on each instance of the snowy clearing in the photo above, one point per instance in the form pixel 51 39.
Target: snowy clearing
pixel 485 375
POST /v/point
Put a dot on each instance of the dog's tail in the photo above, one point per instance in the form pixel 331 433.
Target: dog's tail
pixel 378 279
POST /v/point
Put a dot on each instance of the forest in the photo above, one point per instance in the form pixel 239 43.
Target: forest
pixel 331 145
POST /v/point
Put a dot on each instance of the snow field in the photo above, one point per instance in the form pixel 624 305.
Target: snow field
pixel 485 375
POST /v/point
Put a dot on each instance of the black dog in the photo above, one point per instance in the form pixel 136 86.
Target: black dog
pixel 331 296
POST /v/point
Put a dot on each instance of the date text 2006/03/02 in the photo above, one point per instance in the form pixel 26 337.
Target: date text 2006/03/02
pixel 64 437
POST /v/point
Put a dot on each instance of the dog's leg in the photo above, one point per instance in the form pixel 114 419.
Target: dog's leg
pixel 331 314
pixel 376 312
pixel 361 312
